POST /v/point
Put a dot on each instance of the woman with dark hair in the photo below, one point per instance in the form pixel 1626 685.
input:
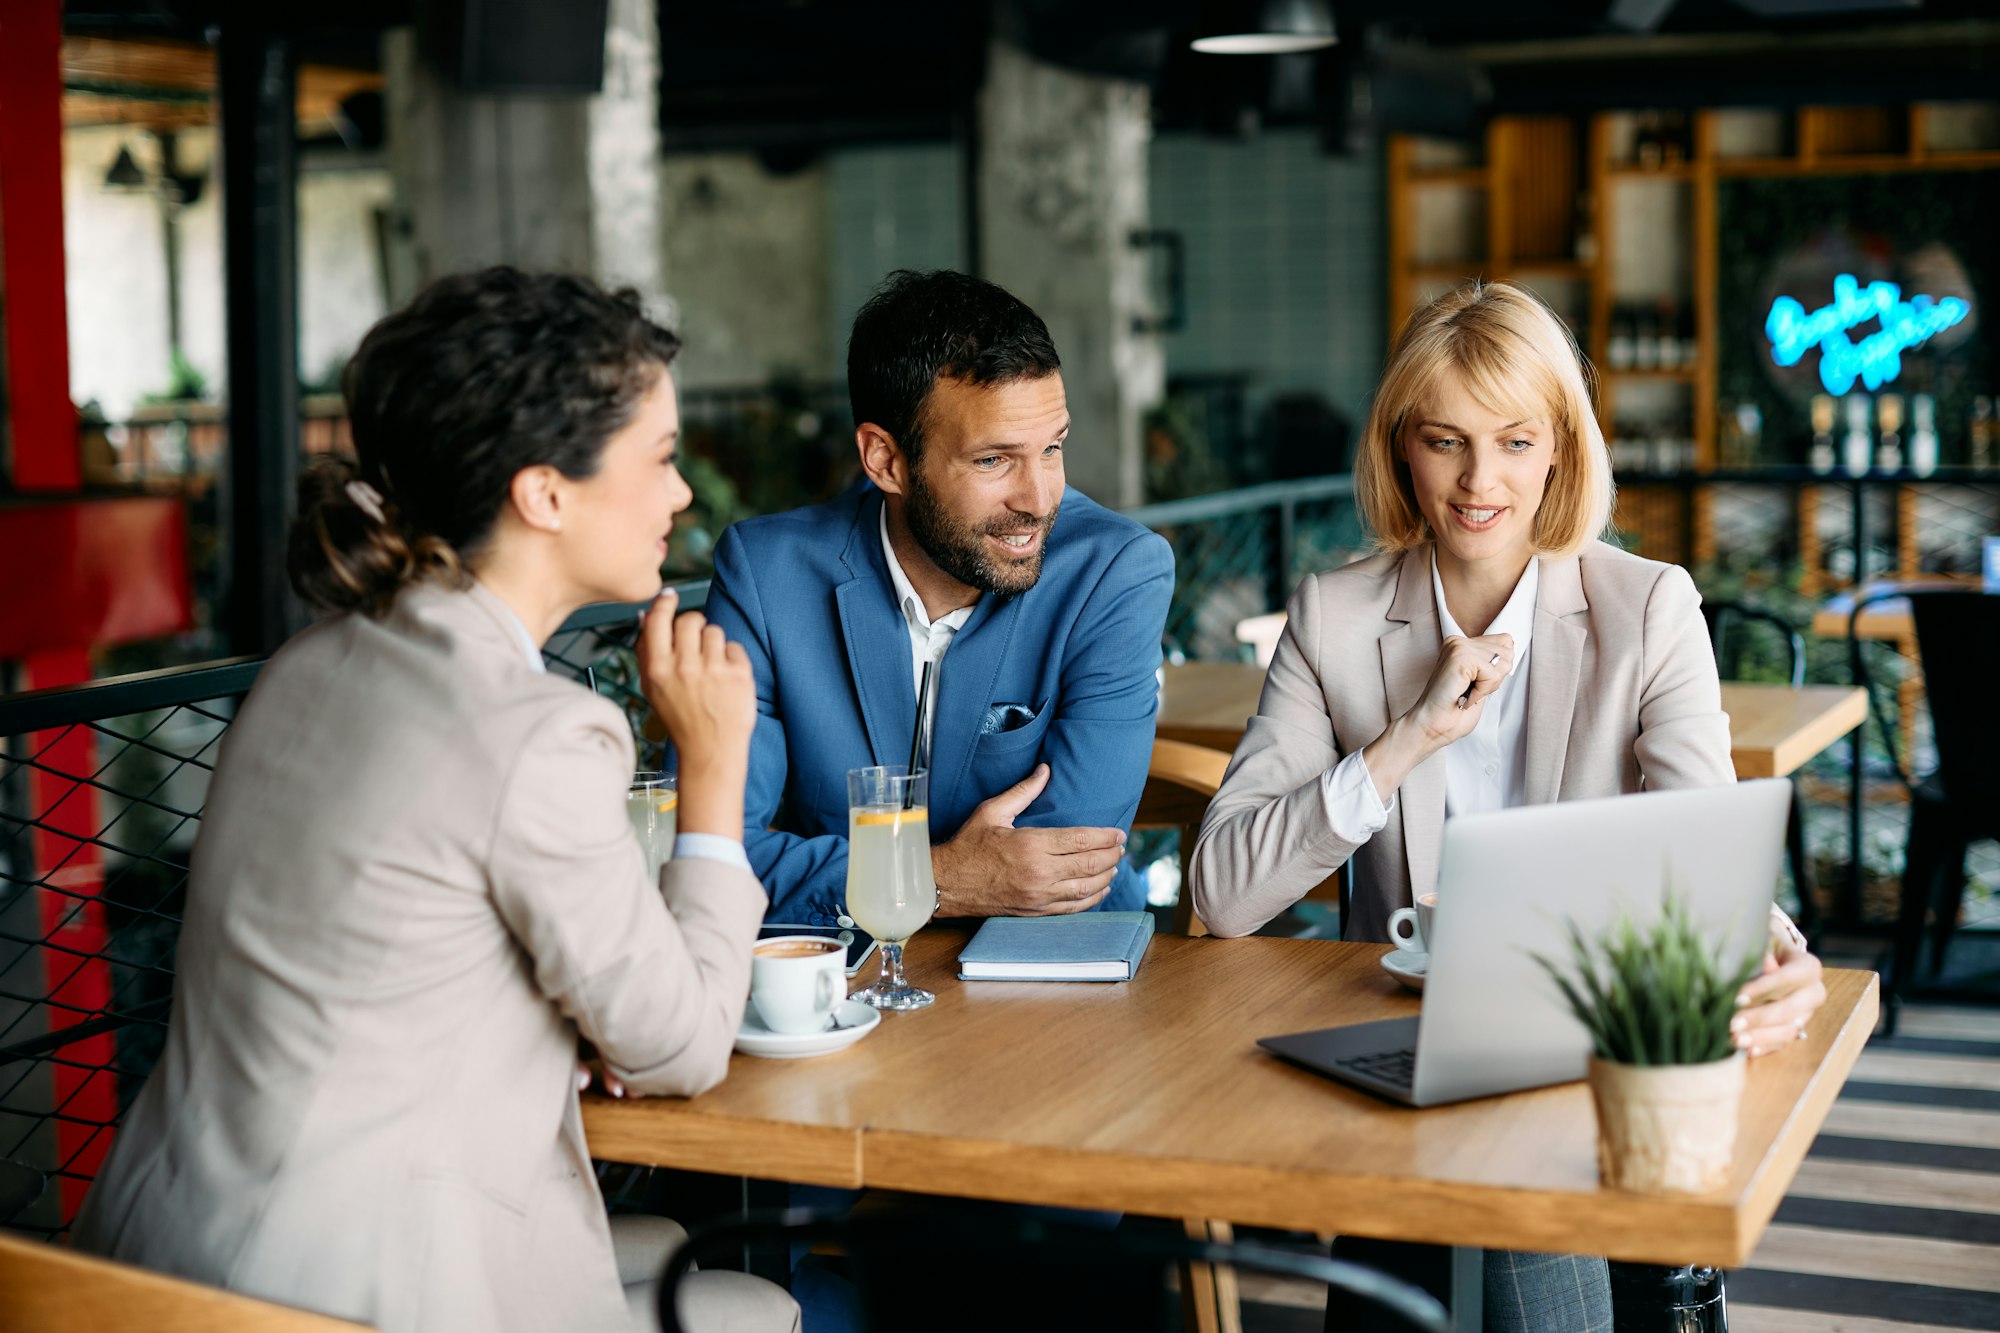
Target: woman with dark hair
pixel 415 885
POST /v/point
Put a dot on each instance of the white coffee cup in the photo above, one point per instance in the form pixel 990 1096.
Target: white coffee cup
pixel 1410 927
pixel 796 981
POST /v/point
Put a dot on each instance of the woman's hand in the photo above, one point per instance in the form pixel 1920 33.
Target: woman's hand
pixel 593 1071
pixel 1774 1008
pixel 1467 673
pixel 701 687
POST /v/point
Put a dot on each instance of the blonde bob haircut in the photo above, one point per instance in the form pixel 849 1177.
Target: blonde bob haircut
pixel 1515 358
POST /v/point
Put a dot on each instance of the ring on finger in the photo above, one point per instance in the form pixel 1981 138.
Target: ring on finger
pixel 1494 660
pixel 1802 1029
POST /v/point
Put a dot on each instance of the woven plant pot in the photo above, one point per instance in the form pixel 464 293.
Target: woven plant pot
pixel 1666 1129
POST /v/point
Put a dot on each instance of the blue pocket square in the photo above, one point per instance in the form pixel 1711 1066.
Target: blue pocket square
pixel 1006 717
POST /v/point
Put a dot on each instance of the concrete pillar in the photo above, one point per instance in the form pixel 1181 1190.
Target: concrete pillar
pixel 625 163
pixel 1062 187
pixel 482 179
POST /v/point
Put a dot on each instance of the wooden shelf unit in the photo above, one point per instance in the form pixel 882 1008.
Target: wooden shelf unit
pixel 1530 186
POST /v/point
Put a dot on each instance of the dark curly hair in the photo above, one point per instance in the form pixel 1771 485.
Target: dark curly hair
pixel 482 375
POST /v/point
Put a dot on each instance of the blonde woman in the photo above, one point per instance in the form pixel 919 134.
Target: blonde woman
pixel 1494 653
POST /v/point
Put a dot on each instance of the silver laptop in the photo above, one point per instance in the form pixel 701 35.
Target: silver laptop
pixel 1508 881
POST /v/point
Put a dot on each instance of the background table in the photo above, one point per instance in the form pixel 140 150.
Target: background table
pixel 1152 1097
pixel 1772 728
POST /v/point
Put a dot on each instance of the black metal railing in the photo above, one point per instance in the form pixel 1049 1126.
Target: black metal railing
pixel 1239 553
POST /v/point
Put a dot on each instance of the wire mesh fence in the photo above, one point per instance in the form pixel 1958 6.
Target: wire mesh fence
pixel 100 799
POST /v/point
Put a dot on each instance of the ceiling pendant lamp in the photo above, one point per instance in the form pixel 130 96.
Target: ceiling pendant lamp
pixel 1266 28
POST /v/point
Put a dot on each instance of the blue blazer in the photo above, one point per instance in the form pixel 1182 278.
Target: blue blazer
pixel 807 593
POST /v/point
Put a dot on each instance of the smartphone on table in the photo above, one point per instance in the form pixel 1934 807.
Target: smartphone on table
pixel 859 945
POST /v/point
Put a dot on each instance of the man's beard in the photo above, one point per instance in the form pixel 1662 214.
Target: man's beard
pixel 960 549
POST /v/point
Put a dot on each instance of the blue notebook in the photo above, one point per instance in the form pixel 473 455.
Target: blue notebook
pixel 1088 946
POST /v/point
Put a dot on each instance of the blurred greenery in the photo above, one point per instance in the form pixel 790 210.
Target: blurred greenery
pixel 184 382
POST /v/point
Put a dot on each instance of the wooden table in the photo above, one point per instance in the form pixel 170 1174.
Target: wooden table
pixel 1772 728
pixel 1207 703
pixel 1153 1098
pixel 1880 620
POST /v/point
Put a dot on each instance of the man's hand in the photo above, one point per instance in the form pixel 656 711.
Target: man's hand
pixel 991 868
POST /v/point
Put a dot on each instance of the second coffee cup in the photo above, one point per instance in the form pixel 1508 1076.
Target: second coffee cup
pixel 1410 927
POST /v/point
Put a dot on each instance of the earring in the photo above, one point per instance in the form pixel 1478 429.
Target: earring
pixel 555 525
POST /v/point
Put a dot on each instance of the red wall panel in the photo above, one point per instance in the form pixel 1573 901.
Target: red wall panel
pixel 86 573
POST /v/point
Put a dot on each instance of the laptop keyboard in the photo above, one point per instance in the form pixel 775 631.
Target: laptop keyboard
pixel 1397 1067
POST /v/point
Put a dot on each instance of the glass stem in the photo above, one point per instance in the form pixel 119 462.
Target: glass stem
pixel 892 966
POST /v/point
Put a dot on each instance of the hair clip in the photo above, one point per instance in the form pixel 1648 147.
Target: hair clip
pixel 367 499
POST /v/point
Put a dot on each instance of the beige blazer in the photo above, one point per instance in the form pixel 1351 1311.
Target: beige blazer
pixel 414 887
pixel 1622 694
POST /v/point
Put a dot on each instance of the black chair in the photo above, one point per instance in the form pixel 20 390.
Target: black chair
pixel 1731 649
pixel 1004 1273
pixel 1958 802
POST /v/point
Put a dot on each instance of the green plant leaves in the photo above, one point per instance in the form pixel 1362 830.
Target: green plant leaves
pixel 1662 996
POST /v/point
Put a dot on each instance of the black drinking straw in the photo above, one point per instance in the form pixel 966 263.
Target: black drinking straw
pixel 917 736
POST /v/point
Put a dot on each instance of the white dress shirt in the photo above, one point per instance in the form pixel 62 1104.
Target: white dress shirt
pixel 929 639
pixel 1485 769
pixel 712 846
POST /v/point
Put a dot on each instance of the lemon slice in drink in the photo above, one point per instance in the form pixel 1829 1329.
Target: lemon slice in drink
pixel 873 818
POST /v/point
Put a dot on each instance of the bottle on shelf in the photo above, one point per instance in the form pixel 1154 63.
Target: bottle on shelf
pixel 1983 425
pixel 1750 430
pixel 1889 429
pixel 1673 137
pixel 1646 146
pixel 1855 448
pixel 1923 434
pixel 1821 458
pixel 1667 336
pixel 1690 342
pixel 1645 342
pixel 1618 350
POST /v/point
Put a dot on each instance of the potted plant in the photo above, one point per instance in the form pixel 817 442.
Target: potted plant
pixel 1664 1073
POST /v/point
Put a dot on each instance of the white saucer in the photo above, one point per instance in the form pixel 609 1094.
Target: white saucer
pixel 1406 967
pixel 857 1021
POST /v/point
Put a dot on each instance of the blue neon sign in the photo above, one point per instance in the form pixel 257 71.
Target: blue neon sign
pixel 1876 359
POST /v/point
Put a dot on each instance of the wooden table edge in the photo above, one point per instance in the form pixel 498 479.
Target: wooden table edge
pixel 636 1132
pixel 1212 738
pixel 1787 758
pixel 1705 1228
pixel 1794 1138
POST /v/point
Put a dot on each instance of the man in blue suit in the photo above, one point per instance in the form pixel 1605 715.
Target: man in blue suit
pixel 1041 609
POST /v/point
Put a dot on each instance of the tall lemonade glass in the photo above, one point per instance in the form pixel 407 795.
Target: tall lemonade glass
pixel 653 805
pixel 890 892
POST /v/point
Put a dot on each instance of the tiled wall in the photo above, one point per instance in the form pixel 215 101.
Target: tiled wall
pixel 1285 256
pixel 1285 252
pixel 888 208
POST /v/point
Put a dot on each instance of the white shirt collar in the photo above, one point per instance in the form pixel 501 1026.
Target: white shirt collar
pixel 530 650
pixel 907 597
pixel 1517 617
